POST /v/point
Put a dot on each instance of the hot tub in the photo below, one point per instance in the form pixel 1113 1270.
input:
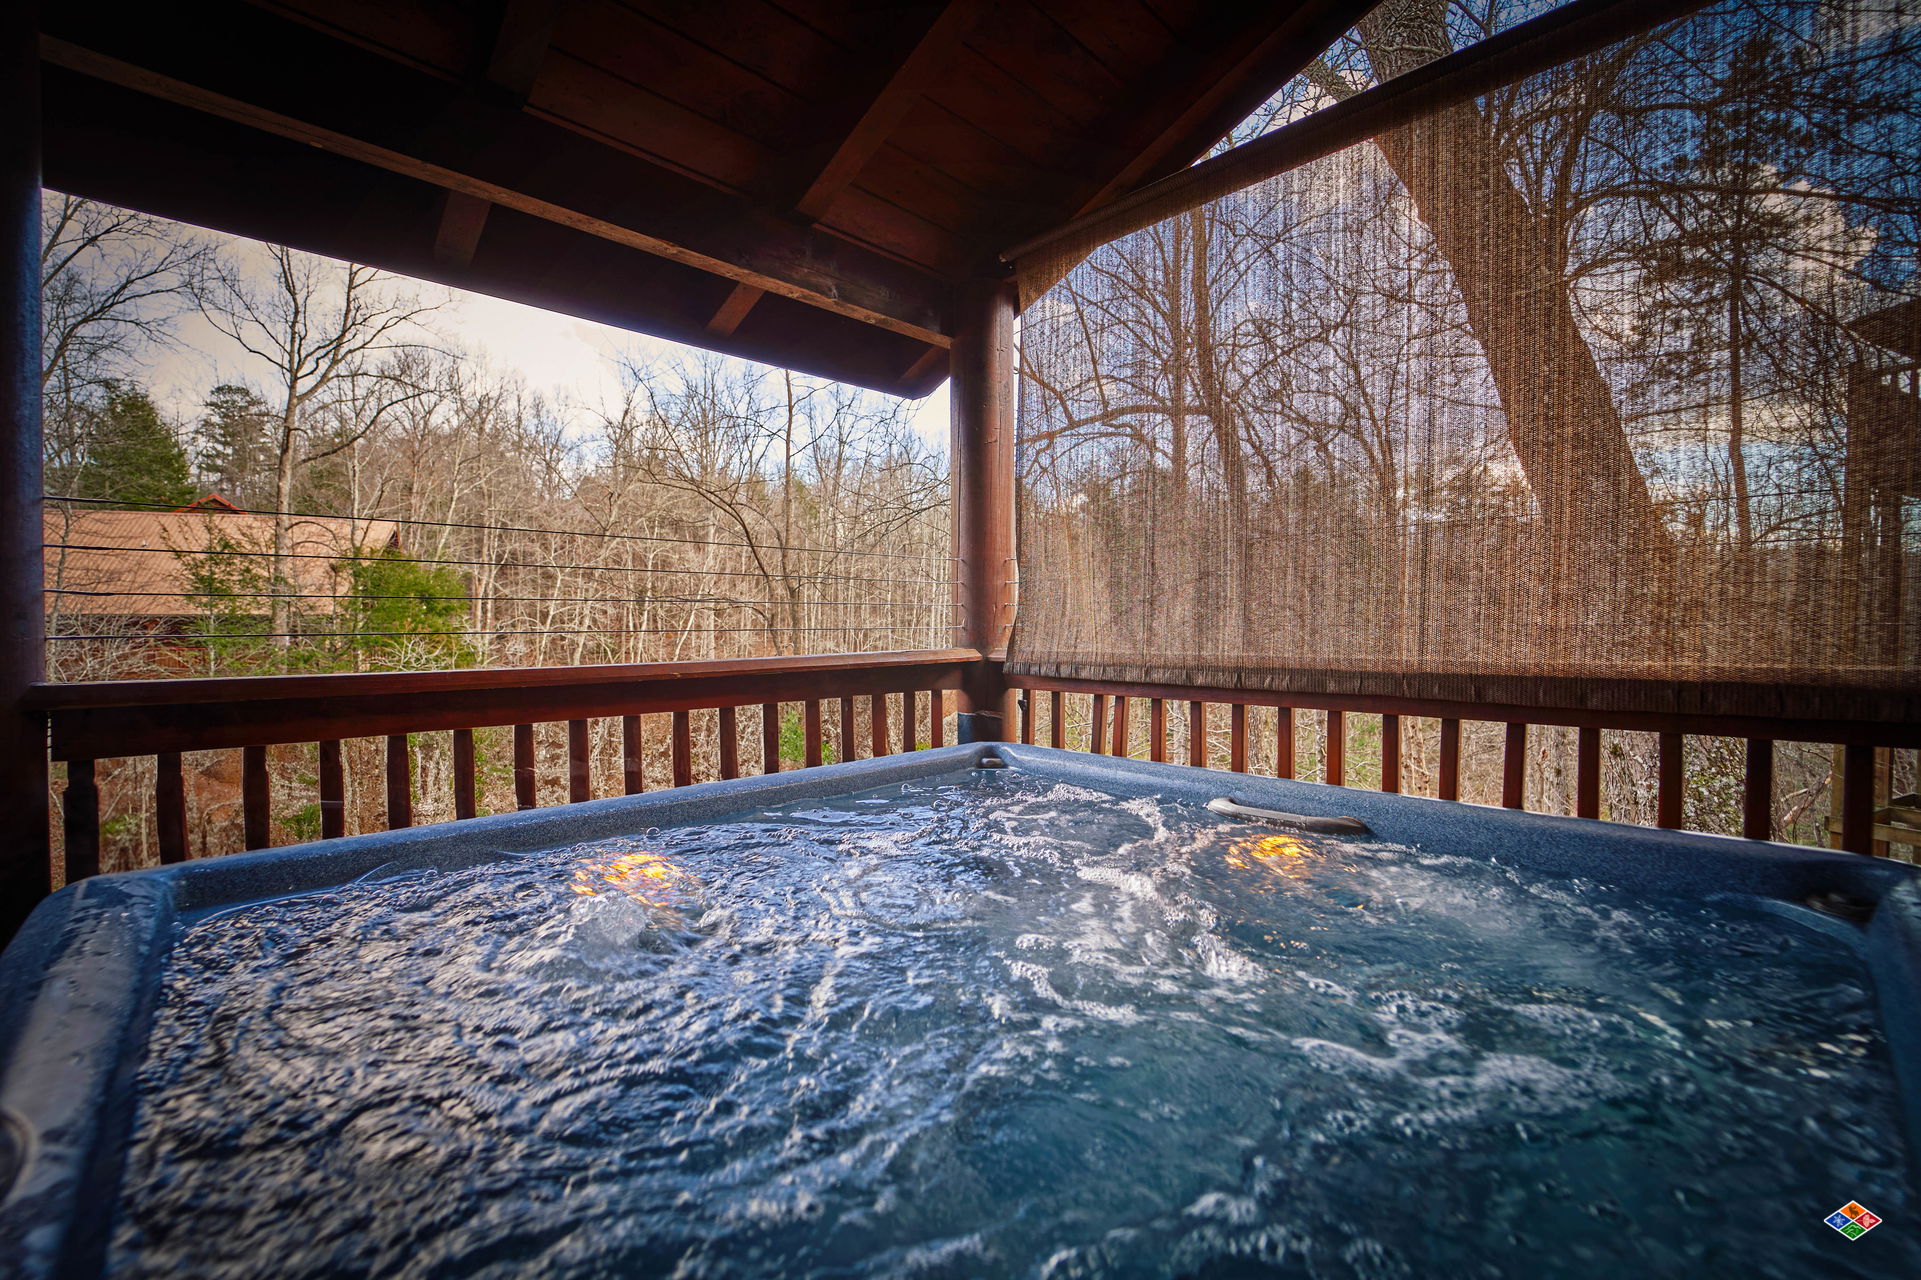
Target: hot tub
pixel 912 1016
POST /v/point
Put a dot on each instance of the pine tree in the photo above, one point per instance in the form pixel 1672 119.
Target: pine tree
pixel 133 457
pixel 234 457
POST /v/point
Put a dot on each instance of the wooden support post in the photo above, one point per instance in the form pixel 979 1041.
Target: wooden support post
pixel 1391 753
pixel 1336 772
pixel 400 783
pixel 1197 734
pixel 1237 737
pixel 1587 773
pixel 849 748
pixel 1514 767
pixel 465 805
pixel 333 791
pixel 80 808
pixel 1157 731
pixel 1450 779
pixel 810 731
pixel 981 457
pixel 1857 799
pixel 770 737
pixel 1097 725
pixel 256 798
pixel 526 784
pixel 877 724
pixel 1284 742
pixel 170 807
pixel 729 731
pixel 1670 782
pixel 683 748
pixel 26 868
pixel 580 781
pixel 1757 792
pixel 633 753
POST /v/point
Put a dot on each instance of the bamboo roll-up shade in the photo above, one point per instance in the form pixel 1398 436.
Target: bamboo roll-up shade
pixel 1600 390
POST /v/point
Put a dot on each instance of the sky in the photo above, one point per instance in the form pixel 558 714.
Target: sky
pixel 559 356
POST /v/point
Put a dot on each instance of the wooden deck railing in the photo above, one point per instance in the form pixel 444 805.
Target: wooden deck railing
pixel 1108 732
pixel 164 718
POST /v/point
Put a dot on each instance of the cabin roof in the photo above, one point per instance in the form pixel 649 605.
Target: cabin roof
pixel 136 564
pixel 800 182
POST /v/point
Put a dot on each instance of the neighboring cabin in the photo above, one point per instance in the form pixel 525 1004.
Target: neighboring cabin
pixel 148 571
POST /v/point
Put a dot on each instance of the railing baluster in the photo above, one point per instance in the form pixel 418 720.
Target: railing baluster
pixel 464 801
pixel 1097 726
pixel 580 781
pixel 683 749
pixel 848 749
pixel 729 743
pixel 1587 773
pixel 80 805
pixel 1757 795
pixel 1450 779
pixel 936 718
pixel 1671 782
pixel 400 783
pixel 170 807
pixel 810 721
pixel 1514 767
pixel 770 737
pixel 1857 799
pixel 333 791
pixel 256 798
pixel 1391 753
pixel 906 720
pixel 526 792
pixel 1120 726
pixel 1284 742
pixel 877 724
pixel 1197 734
pixel 1057 727
pixel 633 752
pixel 1027 715
pixel 1237 736
pixel 1336 771
pixel 1157 730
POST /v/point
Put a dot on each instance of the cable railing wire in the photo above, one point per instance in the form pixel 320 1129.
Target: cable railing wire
pixel 164 508
pixel 170 637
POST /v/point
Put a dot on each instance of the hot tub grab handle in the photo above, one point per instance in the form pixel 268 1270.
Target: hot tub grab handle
pixel 1229 807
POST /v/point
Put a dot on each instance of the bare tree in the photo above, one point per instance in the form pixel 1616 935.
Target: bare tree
pixel 323 328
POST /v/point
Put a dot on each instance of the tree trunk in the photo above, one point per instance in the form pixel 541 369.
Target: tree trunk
pixel 1562 422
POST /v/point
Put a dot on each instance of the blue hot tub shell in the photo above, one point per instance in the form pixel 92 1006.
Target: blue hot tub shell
pixel 77 985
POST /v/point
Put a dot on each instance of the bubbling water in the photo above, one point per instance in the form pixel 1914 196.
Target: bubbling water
pixel 991 1025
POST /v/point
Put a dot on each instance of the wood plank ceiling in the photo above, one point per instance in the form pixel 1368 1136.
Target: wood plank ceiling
pixel 801 182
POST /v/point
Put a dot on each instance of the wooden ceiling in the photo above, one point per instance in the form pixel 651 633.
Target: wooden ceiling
pixel 801 182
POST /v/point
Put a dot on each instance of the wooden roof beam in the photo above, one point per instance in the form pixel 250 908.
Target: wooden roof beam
pixel 739 301
pixel 1250 69
pixel 922 66
pixel 520 44
pixel 409 123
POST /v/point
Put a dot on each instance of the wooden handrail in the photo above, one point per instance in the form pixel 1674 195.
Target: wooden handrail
pixel 150 717
pixel 1864 733
pixel 1856 741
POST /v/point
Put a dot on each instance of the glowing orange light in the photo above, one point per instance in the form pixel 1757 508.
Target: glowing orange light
pixel 1276 854
pixel 639 875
